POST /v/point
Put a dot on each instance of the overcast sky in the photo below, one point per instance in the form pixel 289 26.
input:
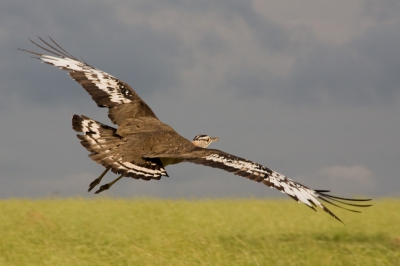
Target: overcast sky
pixel 307 88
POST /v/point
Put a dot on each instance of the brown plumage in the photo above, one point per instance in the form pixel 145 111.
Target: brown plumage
pixel 141 146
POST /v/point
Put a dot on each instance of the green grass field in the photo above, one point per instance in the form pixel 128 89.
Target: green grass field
pixel 108 231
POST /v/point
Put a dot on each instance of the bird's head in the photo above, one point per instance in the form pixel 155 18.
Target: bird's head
pixel 203 140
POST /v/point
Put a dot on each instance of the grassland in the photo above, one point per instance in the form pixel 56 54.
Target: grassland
pixel 205 232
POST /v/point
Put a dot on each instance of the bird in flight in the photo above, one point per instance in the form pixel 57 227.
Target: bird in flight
pixel 142 146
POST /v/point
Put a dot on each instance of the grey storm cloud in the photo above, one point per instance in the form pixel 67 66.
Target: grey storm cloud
pixel 382 11
pixel 272 84
pixel 362 71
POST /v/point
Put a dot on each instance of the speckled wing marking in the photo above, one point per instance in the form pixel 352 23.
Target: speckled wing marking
pixel 103 143
pixel 105 89
pixel 260 173
pixel 126 106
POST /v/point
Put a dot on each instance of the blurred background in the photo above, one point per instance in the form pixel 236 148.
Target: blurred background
pixel 309 89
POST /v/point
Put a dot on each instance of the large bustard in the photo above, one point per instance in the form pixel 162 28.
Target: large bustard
pixel 142 146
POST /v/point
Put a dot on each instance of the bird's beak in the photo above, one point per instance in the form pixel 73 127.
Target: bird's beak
pixel 214 139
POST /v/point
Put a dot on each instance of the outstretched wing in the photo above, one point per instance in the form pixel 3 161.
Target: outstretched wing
pixel 105 89
pixel 260 173
pixel 257 172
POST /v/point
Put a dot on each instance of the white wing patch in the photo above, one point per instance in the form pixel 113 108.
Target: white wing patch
pixel 115 90
pixel 107 148
pixel 143 170
pixel 271 178
pixel 238 164
pixel 89 125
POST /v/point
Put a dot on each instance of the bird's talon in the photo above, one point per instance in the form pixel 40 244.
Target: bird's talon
pixel 93 184
pixel 97 180
pixel 102 188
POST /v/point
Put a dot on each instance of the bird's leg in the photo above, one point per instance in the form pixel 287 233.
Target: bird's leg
pixel 107 186
pixel 97 180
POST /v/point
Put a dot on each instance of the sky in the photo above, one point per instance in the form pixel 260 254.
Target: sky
pixel 310 89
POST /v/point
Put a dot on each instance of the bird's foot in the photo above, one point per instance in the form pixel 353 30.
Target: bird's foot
pixel 107 186
pixel 93 184
pixel 97 180
pixel 102 188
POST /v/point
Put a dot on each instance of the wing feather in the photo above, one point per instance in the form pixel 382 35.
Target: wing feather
pixel 105 146
pixel 259 173
pixel 105 89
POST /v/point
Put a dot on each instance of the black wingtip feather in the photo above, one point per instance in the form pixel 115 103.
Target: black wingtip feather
pixel 77 123
pixel 331 196
pixel 334 200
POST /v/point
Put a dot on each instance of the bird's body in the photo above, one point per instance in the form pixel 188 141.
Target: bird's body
pixel 142 146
